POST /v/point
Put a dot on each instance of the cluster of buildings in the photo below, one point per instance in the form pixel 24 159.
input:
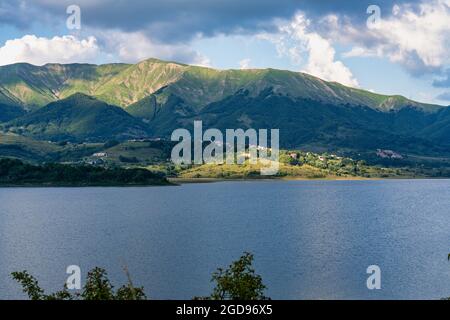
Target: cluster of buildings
pixel 295 155
pixel 388 154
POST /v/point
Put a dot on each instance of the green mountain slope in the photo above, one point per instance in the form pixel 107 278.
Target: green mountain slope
pixel 32 86
pixel 199 86
pixel 78 117
pixel 305 123
pixel 155 97
pixel 124 85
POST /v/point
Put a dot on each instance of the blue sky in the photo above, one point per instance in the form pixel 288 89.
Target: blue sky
pixel 403 50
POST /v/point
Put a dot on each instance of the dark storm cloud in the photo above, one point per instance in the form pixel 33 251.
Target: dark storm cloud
pixel 15 13
pixel 180 20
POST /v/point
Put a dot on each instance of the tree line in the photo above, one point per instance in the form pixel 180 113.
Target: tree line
pixel 238 281
pixel 16 172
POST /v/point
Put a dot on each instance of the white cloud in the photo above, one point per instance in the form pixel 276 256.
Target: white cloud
pixel 136 46
pixel 418 39
pixel 295 39
pixel 244 63
pixel 40 50
pixel 109 45
pixel 322 63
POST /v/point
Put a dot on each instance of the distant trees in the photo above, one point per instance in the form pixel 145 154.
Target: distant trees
pixel 337 165
pixel 16 172
pixel 128 159
pixel 97 287
pixel 238 282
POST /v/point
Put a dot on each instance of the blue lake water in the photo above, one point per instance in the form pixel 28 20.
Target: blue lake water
pixel 311 239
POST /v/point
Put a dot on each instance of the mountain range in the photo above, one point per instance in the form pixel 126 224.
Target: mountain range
pixel 84 102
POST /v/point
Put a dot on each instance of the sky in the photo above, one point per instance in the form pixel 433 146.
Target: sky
pixel 390 47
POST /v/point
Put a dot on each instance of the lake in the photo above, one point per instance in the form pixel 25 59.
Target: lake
pixel 311 239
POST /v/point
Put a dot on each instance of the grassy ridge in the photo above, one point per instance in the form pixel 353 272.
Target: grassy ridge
pixel 307 165
pixel 123 85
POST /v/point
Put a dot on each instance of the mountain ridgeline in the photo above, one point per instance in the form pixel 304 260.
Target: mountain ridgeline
pixel 82 102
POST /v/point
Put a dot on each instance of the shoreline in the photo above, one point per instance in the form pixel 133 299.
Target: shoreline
pixel 175 181
pixel 181 180
pixel 81 185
